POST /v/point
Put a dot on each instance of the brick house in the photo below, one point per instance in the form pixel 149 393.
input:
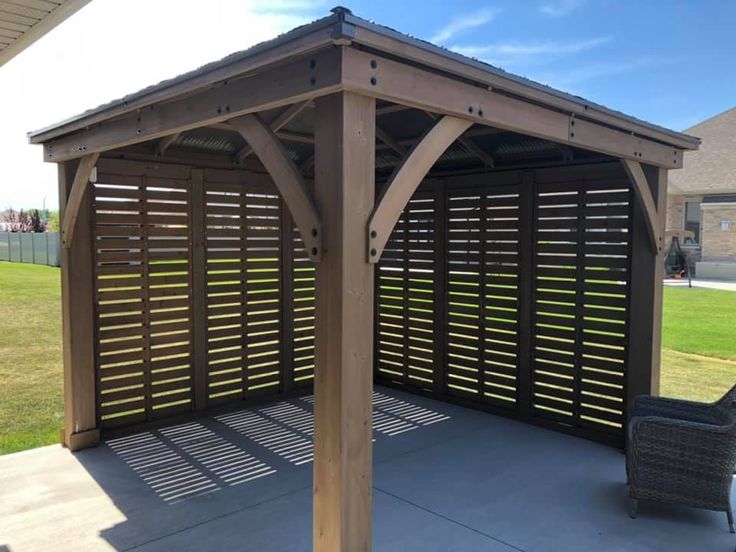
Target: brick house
pixel 701 197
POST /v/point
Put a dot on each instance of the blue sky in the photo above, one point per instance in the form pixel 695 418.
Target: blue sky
pixel 668 62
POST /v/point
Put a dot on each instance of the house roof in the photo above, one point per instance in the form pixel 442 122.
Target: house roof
pixel 343 25
pixel 23 22
pixel 712 169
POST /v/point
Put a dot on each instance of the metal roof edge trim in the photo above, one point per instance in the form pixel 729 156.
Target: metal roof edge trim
pixel 510 77
pixel 171 88
pixel 343 24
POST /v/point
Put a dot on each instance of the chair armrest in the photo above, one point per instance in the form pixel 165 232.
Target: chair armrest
pixel 683 445
pixel 647 405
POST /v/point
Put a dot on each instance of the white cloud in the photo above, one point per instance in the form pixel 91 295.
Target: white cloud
pixel 510 52
pixel 560 8
pixel 463 23
pixel 584 73
pixel 112 48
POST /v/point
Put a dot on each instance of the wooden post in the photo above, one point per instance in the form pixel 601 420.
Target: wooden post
pixel 526 293
pixel 287 299
pixel 647 272
pixel 345 193
pixel 199 289
pixel 77 313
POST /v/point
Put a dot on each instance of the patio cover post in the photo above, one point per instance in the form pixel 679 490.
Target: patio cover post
pixel 77 313
pixel 344 193
pixel 647 272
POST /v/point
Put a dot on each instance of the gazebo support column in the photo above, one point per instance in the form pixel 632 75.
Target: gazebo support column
pixel 647 273
pixel 77 312
pixel 344 190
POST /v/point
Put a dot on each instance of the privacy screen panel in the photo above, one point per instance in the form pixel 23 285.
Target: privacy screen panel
pixel 582 245
pixel 142 254
pixel 513 294
pixel 483 294
pixel 406 287
pixel 244 279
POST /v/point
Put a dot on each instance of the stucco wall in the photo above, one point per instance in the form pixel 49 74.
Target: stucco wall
pixel 719 242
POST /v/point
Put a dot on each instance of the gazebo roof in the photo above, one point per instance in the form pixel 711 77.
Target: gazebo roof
pixel 343 26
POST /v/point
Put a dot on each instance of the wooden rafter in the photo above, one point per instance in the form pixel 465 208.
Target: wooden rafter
pixel 76 195
pixel 387 139
pixel 406 179
pixel 470 146
pixel 283 119
pixel 643 194
pixel 286 177
pixel 166 142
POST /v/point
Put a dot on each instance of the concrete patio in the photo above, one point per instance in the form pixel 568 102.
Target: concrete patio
pixel 446 478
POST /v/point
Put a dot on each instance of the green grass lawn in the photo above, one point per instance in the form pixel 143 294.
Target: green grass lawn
pixel 698 343
pixel 698 357
pixel 30 356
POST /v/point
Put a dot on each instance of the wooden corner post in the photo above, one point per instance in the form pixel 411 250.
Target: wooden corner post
pixel 647 273
pixel 77 313
pixel 344 190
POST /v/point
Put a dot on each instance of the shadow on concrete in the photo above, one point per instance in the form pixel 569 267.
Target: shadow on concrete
pixel 173 478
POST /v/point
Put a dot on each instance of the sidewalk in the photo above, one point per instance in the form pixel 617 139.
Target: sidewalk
pixel 723 285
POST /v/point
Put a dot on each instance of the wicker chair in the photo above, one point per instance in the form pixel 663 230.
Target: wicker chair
pixel 682 452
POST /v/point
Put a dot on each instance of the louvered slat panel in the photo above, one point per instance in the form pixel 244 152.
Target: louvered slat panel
pixel 405 297
pixel 302 305
pixel 464 289
pixel 483 252
pixel 143 306
pixel 581 287
pixel 242 241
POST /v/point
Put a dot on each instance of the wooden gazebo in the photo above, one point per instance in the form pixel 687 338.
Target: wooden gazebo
pixel 343 205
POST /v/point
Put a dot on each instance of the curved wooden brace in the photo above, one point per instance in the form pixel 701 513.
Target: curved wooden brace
pixel 406 179
pixel 644 195
pixel 286 177
pixel 76 195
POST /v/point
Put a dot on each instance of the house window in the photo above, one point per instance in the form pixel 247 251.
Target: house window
pixel 692 220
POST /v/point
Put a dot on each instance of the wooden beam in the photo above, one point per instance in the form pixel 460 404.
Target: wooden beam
pixel 644 196
pixel 287 178
pixel 343 384
pixel 76 196
pixel 307 164
pixel 270 88
pixel 291 45
pixel 406 178
pixel 421 89
pixel 277 124
pixel 165 142
pixel 299 137
pixel 440 61
pixel 77 318
pixel 387 139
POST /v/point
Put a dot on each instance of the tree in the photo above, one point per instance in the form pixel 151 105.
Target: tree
pixel 23 221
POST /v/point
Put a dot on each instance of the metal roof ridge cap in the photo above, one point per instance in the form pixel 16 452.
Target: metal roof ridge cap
pixel 137 99
pixel 502 74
